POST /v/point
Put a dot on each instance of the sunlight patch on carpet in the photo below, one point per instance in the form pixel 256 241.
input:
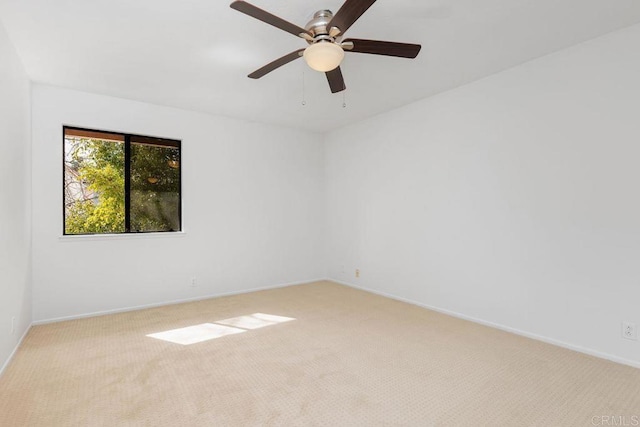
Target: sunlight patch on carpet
pixel 196 334
pixel 255 321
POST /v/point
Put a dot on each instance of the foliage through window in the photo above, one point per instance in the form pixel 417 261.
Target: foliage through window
pixel 120 183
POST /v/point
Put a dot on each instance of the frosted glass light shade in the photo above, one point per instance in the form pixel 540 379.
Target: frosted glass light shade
pixel 324 56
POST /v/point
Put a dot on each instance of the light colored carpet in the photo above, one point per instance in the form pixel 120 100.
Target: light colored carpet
pixel 350 358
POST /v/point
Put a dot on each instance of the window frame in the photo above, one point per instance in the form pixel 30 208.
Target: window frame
pixel 165 142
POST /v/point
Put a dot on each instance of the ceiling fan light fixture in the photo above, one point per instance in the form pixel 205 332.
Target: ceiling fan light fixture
pixel 324 56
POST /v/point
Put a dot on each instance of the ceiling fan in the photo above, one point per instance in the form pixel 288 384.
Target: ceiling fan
pixel 324 35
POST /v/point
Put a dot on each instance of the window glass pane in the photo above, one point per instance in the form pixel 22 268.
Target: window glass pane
pixel 155 185
pixel 93 182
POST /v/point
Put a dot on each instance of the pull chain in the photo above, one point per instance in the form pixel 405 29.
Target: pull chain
pixel 344 99
pixel 304 102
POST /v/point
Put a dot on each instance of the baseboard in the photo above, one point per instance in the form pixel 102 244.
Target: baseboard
pixel 172 302
pixel 15 350
pixel 590 352
pixel 547 340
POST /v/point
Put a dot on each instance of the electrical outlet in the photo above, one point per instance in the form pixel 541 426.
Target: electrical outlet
pixel 357 272
pixel 13 325
pixel 629 331
pixel 194 282
pixel 342 270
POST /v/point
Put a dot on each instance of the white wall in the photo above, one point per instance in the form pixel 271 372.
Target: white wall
pixel 513 200
pixel 252 197
pixel 15 199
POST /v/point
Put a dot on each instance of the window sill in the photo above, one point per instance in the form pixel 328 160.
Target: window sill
pixel 123 236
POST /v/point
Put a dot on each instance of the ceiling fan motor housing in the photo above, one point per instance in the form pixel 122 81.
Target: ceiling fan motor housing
pixel 318 26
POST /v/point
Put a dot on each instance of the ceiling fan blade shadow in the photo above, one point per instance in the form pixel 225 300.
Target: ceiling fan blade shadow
pixel 276 64
pixel 264 16
pixel 349 13
pixel 336 80
pixel 378 47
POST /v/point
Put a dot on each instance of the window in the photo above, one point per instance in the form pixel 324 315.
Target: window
pixel 120 183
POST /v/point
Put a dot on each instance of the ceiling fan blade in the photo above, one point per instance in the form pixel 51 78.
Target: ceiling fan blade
pixel 276 64
pixel 336 81
pixel 377 47
pixel 264 16
pixel 349 13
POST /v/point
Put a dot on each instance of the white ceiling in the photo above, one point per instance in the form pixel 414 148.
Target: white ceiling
pixel 195 54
